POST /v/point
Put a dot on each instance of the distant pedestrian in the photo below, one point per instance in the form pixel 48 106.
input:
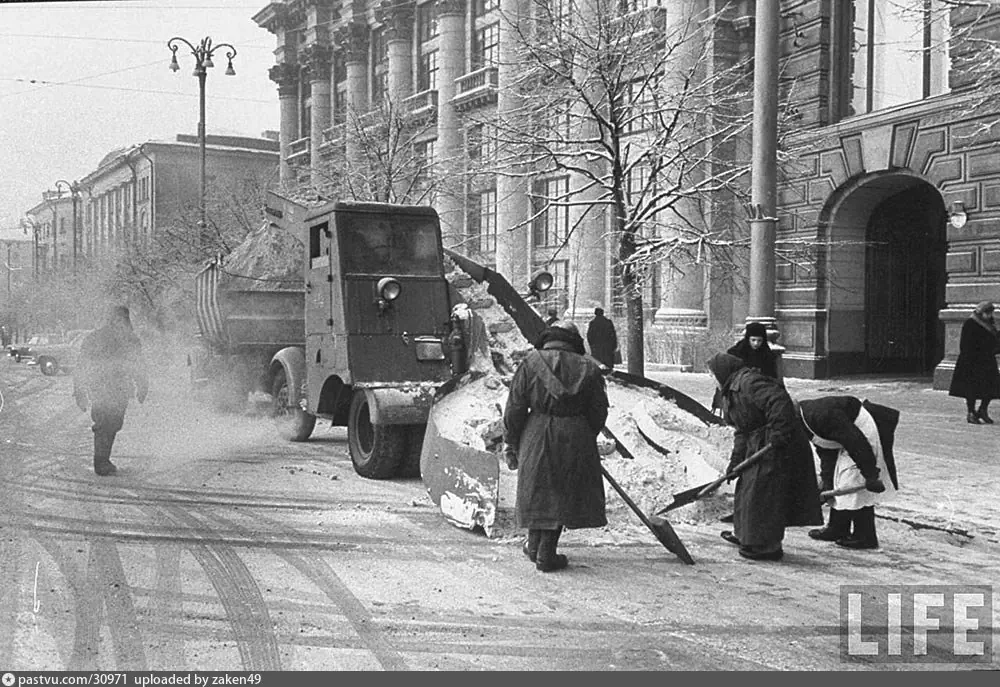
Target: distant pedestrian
pixel 551 316
pixel 4 336
pixel 602 338
pixel 976 376
pixel 754 350
pixel 779 490
pixel 853 440
pixel 110 371
pixel 556 407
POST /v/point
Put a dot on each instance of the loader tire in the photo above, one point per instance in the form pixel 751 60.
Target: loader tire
pixel 293 423
pixel 376 450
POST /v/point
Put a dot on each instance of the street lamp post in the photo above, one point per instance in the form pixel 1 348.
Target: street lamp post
pixel 202 63
pixel 74 190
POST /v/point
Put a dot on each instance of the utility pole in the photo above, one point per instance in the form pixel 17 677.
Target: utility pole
pixel 763 192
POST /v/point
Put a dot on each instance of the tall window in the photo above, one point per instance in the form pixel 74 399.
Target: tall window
pixel 427 21
pixel 423 162
pixel 895 52
pixel 481 8
pixel 482 220
pixel 427 73
pixel 339 96
pixel 551 224
pixel 486 52
pixel 480 145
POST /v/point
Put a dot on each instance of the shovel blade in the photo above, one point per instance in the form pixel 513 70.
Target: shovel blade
pixel 683 498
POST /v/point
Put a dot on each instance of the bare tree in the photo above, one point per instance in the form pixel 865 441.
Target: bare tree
pixel 642 113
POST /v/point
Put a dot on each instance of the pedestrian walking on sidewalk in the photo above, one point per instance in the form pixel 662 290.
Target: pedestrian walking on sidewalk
pixel 602 338
pixel 110 371
pixel 779 490
pixel 556 407
pixel 976 376
pixel 853 439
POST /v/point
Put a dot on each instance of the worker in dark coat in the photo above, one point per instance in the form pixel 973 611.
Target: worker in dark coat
pixel 602 338
pixel 109 372
pixel 976 376
pixel 556 407
pixel 853 440
pixel 779 490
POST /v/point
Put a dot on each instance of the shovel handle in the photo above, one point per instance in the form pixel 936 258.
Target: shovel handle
pixel 843 491
pixel 735 471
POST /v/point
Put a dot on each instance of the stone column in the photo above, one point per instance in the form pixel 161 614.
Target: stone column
pixel 352 39
pixel 317 58
pixel 512 197
pixel 398 18
pixel 451 65
pixel 589 221
pixel 286 76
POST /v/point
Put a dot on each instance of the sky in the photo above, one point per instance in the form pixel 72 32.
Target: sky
pixel 79 79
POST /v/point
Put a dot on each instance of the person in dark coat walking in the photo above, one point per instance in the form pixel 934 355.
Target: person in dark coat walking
pixel 556 407
pixel 976 376
pixel 602 338
pixel 779 490
pixel 109 372
pixel 853 439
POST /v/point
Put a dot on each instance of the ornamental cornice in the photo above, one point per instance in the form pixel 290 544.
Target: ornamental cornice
pixel 286 76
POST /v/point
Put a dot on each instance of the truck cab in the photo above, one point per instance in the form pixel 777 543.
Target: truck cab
pixel 377 322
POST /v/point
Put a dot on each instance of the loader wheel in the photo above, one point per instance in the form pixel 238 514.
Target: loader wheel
pixel 293 423
pixel 376 450
pixel 48 366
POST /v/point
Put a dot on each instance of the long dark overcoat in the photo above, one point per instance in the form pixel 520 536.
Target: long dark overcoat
pixel 976 374
pixel 556 407
pixel 603 340
pixel 779 490
pixel 110 371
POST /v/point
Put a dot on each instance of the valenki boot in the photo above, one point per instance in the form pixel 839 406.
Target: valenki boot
pixel 102 454
pixel 548 560
pixel 838 527
pixel 864 530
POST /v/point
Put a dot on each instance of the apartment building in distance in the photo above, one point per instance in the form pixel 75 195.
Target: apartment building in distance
pixel 895 182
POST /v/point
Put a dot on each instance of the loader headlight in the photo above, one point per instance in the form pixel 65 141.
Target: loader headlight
pixel 540 283
pixel 388 288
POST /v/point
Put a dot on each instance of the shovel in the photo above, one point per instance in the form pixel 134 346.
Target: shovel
pixel 660 528
pixel 691 495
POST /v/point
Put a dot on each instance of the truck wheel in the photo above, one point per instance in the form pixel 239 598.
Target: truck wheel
pixel 410 467
pixel 376 450
pixel 293 423
pixel 48 366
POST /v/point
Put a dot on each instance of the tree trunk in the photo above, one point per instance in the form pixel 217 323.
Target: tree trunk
pixel 634 325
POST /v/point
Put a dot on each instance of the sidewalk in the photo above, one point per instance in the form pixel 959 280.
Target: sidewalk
pixel 949 470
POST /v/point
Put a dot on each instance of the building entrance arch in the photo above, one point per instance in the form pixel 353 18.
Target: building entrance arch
pixel 885 275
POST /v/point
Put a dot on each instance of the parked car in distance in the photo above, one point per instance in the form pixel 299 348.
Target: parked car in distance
pixel 25 351
pixel 57 353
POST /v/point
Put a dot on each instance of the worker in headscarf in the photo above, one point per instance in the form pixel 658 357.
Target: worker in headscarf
pixel 779 490
pixel 853 440
pixel 976 376
pixel 556 407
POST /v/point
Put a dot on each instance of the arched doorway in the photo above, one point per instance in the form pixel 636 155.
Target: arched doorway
pixel 885 275
pixel 904 282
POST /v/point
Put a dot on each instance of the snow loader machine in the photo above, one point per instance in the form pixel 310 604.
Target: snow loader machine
pixel 379 336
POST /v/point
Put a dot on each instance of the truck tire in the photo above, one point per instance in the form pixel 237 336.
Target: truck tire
pixel 48 366
pixel 410 467
pixel 376 450
pixel 293 423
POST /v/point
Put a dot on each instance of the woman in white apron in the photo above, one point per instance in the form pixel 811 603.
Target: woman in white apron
pixel 855 453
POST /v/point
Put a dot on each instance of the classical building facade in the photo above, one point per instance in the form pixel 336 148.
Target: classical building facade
pixel 891 179
pixel 136 189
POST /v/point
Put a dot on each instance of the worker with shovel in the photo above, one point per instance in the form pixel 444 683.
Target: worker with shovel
pixel 853 440
pixel 778 489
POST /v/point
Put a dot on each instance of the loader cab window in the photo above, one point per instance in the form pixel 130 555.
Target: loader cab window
pixel 316 233
pixel 381 245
